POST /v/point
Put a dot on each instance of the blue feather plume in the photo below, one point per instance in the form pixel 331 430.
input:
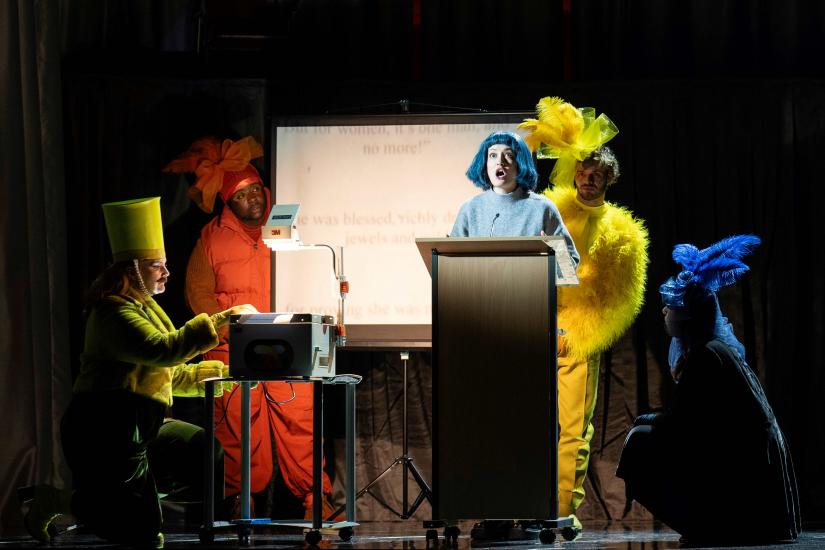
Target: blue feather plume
pixel 718 265
pixel 686 255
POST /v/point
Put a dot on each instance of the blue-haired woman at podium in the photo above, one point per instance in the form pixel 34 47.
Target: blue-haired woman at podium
pixel 508 207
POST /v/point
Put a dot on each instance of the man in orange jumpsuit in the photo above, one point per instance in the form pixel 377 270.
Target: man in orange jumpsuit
pixel 230 264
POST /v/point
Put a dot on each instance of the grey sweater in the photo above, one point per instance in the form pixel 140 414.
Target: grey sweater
pixel 521 213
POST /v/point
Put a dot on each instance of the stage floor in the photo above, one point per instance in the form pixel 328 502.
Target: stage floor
pixel 411 535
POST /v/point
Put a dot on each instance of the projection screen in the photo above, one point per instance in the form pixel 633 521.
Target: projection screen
pixel 371 185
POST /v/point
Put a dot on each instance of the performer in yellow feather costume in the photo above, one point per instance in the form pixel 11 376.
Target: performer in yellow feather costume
pixel 613 249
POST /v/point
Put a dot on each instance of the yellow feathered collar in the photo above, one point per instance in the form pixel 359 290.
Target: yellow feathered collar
pixel 612 273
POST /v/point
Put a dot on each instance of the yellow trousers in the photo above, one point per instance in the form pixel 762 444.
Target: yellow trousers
pixel 578 385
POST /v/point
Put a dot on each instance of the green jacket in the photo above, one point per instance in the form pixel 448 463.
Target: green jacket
pixel 131 344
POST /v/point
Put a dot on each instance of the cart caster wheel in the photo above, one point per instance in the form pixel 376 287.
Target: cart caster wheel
pixel 313 538
pixel 244 533
pixel 451 533
pixel 547 536
pixel 345 533
pixel 570 533
pixel 206 536
pixel 432 538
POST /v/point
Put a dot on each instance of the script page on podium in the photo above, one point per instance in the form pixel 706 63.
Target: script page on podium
pixel 566 270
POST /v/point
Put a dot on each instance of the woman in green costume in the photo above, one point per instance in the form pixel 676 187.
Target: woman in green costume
pixel 116 438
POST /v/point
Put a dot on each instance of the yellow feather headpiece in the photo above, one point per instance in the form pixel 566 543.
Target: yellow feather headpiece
pixel 566 133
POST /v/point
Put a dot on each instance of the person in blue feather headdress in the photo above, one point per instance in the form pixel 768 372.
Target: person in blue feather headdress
pixel 715 466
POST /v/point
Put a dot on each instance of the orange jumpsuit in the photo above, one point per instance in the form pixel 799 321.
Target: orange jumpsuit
pixel 230 265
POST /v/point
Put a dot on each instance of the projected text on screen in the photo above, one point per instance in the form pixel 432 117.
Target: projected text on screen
pixel 373 190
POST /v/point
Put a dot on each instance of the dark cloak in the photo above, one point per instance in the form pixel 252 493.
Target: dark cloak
pixel 715 466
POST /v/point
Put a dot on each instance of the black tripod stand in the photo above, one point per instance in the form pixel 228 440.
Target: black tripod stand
pixel 407 465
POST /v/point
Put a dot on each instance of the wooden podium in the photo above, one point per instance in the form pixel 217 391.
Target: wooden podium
pixel 495 411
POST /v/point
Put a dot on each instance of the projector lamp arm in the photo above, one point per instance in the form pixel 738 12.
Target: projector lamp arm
pixel 343 288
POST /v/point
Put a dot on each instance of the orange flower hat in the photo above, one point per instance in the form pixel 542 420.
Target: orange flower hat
pixel 219 166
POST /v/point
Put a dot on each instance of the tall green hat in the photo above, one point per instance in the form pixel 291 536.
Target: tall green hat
pixel 135 229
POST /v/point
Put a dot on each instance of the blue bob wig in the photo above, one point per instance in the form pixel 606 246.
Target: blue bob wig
pixel 527 176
